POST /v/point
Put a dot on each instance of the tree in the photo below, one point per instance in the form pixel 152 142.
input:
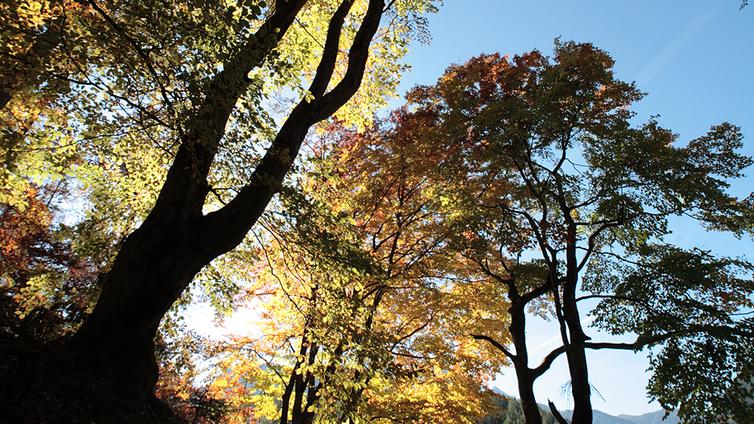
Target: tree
pixel 419 304
pixel 354 274
pixel 565 185
pixel 157 261
pixel 31 31
pixel 185 79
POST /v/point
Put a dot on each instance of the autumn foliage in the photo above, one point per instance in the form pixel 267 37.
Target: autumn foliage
pixel 165 158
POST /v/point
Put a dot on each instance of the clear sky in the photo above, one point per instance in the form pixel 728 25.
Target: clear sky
pixel 695 58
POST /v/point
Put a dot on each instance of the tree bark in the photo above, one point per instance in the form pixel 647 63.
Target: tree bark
pixel 555 413
pixel 151 271
pixel 293 385
pixel 525 380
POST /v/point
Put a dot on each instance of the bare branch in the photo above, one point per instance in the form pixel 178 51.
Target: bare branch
pixel 554 410
pixel 495 343
pixel 547 361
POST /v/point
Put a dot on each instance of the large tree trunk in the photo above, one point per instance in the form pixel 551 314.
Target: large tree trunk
pixel 150 272
pixel 525 381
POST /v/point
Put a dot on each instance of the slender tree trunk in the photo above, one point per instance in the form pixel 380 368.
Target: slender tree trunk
pixel 556 414
pixel 575 349
pixel 524 375
pixel 302 385
pixel 285 404
pixel 582 404
pixel 525 381
pixel 294 386
pixel 579 371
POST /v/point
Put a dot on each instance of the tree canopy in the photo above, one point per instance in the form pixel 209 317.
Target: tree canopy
pixel 158 154
pixel 561 198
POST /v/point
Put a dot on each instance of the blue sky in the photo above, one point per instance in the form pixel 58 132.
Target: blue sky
pixel 694 58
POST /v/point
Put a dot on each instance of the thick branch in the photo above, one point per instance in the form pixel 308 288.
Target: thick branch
pixel 183 194
pixel 638 344
pixel 357 62
pixel 536 292
pixel 547 361
pixel 226 227
pixel 330 50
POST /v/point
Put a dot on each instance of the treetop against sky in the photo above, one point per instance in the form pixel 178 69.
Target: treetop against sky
pixel 693 60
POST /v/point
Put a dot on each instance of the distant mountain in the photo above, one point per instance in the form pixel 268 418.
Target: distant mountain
pixel 599 416
pixel 603 418
pixel 651 418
